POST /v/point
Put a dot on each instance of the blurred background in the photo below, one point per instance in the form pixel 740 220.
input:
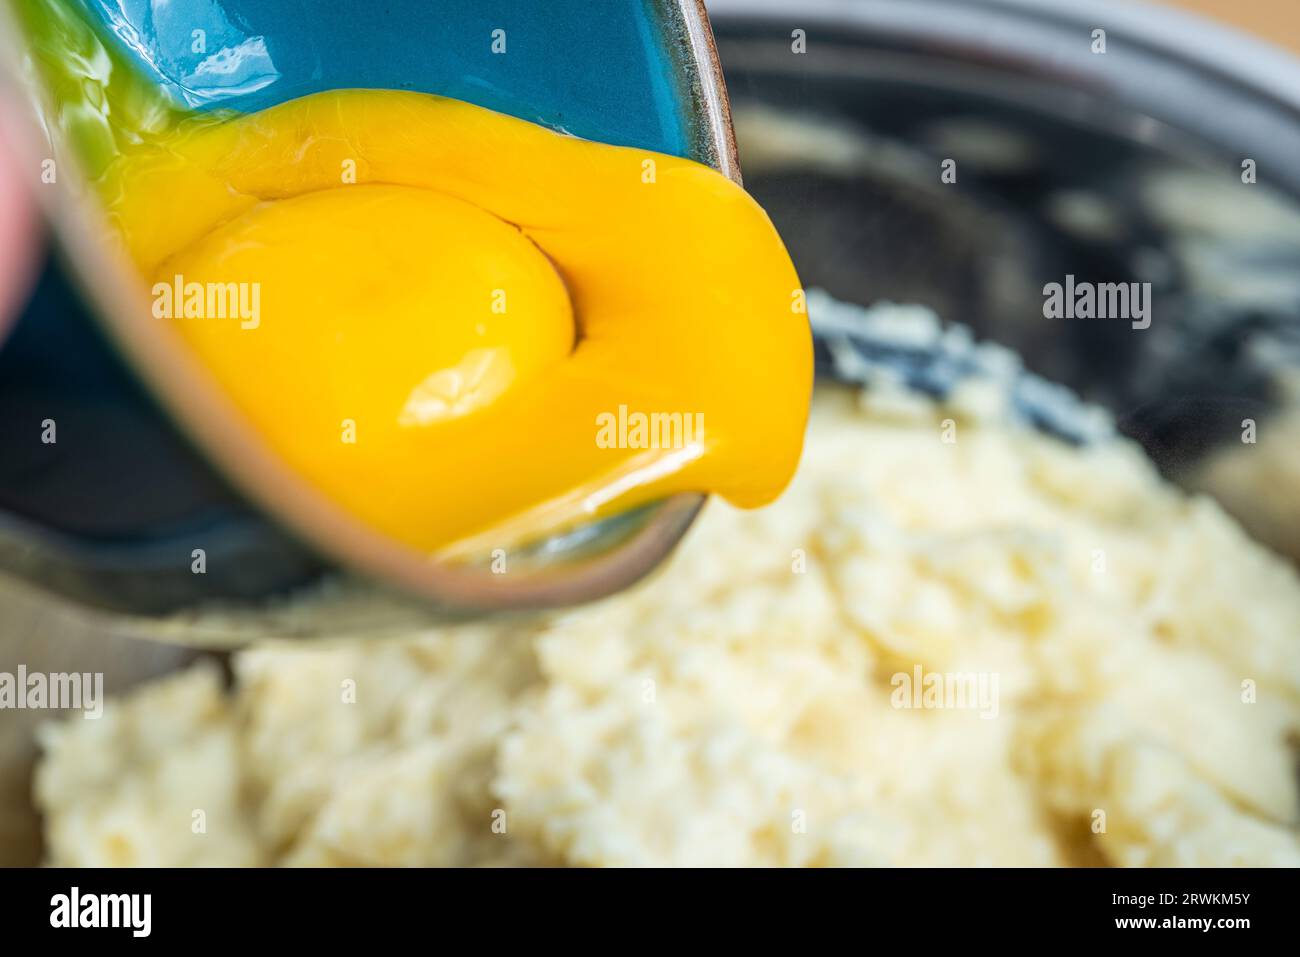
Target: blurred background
pixel 1117 166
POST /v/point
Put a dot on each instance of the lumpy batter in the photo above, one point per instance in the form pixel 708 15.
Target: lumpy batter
pixel 740 708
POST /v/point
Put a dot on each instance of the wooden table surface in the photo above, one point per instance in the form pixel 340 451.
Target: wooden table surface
pixel 1277 21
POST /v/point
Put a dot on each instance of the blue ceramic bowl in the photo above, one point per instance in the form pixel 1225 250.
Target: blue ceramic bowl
pixel 146 468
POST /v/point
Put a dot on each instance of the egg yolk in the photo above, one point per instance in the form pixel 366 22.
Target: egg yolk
pixel 463 327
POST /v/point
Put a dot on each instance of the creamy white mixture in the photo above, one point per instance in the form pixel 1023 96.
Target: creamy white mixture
pixel 1138 657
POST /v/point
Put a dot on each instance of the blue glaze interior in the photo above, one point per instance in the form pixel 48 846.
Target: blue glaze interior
pixel 599 69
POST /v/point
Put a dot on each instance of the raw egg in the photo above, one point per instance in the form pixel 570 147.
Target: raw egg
pixel 465 328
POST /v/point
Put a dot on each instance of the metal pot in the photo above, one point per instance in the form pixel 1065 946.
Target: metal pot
pixel 1066 159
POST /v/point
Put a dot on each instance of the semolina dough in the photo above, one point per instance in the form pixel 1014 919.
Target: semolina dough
pixel 739 708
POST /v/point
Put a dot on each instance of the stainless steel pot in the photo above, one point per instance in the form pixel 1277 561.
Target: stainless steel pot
pixel 1124 165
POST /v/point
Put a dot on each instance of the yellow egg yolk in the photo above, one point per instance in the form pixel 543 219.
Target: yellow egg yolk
pixel 458 324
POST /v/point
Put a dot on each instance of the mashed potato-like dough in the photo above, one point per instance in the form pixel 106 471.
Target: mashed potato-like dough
pixel 737 708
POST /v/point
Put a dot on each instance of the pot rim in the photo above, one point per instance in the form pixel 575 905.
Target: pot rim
pixel 1179 72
